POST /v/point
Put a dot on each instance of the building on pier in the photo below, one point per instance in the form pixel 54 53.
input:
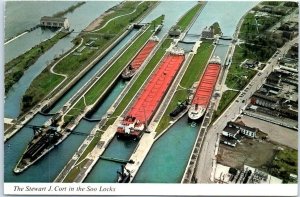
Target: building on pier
pixel 56 22
pixel 208 33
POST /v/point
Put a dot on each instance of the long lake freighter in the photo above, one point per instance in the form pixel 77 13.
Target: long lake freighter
pixel 205 89
pixel 143 109
pixel 139 59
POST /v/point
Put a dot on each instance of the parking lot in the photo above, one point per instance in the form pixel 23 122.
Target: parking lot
pixel 276 133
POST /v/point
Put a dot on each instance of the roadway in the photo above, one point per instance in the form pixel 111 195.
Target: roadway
pixel 207 161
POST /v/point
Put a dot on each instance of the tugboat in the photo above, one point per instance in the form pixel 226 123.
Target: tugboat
pixel 124 175
pixel 181 106
pixel 205 89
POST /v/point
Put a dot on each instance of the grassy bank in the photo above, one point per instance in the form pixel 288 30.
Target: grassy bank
pixel 68 10
pixel 15 68
pixel 144 74
pixel 226 99
pixel 184 22
pixel 77 61
pixel 74 172
pixel 192 74
pixel 238 75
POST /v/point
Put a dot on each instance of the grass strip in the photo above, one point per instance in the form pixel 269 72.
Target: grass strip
pixel 187 18
pixel 74 172
pixel 226 99
pixel 91 146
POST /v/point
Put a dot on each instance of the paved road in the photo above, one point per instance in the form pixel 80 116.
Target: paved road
pixel 207 156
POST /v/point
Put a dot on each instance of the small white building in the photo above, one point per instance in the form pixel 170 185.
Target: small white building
pixel 58 22
pixel 247 131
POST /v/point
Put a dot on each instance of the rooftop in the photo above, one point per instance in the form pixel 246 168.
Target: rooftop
pixel 56 19
pixel 242 125
pixel 232 130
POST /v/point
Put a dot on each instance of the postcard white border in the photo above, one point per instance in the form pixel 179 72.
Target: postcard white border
pixel 150 189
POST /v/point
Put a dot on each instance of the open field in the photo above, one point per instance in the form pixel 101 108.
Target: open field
pixel 249 152
pixel 271 157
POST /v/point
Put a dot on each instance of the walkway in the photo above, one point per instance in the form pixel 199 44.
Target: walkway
pixel 52 67
pixel 116 18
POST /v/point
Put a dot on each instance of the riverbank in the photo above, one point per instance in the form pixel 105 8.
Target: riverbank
pixel 15 69
pixel 68 10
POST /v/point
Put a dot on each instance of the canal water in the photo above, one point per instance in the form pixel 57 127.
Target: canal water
pixel 12 106
pixel 168 157
pixel 57 158
pixel 105 171
pixel 172 10
pixel 226 13
pixel 78 20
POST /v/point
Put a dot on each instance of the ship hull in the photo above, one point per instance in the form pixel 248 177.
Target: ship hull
pixel 121 135
pixel 205 89
pixel 196 114
pixel 18 169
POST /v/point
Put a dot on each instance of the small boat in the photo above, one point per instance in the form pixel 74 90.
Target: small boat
pixel 131 128
pixel 124 175
pixel 181 106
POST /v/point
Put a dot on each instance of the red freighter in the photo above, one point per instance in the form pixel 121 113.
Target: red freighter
pixel 205 89
pixel 143 109
pixel 140 58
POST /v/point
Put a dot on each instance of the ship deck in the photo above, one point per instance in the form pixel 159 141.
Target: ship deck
pixel 207 85
pixel 143 54
pixel 150 97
